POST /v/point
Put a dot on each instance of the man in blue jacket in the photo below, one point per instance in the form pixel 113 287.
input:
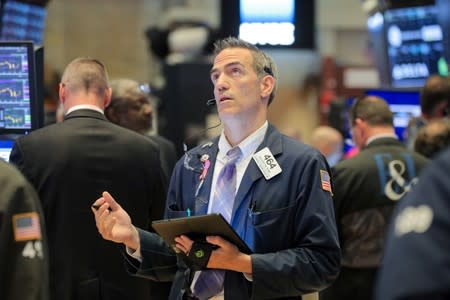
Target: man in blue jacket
pixel 282 206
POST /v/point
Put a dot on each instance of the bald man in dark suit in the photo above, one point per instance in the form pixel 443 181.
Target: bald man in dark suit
pixel 71 163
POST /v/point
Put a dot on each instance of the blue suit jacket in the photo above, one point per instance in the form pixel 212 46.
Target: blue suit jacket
pixel 288 221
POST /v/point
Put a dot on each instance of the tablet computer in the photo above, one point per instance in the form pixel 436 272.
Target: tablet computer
pixel 198 227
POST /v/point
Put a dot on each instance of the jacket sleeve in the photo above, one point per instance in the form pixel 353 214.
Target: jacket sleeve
pixel 23 256
pixel 159 263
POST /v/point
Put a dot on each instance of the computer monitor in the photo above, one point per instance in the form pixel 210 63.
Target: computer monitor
pixel 23 20
pixel 415 45
pixel 5 148
pixel 269 23
pixel 410 40
pixel 19 104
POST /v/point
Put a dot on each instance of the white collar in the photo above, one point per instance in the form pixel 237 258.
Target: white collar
pixel 248 145
pixel 85 106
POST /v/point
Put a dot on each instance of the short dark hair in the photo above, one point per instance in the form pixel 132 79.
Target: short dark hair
pixel 263 63
pixel 85 73
pixel 374 110
pixel 435 91
pixel 433 138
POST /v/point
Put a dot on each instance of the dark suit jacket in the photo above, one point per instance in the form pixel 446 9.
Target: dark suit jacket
pixel 287 221
pixel 416 259
pixel 70 164
pixel 367 188
pixel 167 153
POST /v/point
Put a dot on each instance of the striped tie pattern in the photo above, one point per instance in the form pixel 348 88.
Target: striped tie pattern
pixel 210 282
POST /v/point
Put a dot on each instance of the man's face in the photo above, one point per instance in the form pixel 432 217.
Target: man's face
pixel 237 88
pixel 137 115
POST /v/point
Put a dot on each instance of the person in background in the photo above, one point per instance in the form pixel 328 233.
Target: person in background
pixel 416 257
pixel 433 138
pixel 23 241
pixel 281 205
pixel 50 94
pixel 75 160
pixel 367 188
pixel 434 99
pixel 329 142
pixel 131 108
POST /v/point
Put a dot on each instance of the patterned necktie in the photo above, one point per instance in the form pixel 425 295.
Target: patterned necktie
pixel 210 282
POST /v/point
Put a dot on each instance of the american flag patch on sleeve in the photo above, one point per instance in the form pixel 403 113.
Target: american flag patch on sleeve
pixel 26 227
pixel 325 179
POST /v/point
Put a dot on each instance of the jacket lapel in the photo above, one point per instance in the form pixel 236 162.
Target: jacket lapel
pixel 203 189
pixel 273 141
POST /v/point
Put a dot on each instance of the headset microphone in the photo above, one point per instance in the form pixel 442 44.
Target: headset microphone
pixel 211 102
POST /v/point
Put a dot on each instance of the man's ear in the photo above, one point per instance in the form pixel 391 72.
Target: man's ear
pixel 360 123
pixel 362 126
pixel 267 85
pixel 107 97
pixel 62 93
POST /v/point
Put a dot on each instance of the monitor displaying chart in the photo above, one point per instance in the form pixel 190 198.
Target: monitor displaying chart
pixel 15 87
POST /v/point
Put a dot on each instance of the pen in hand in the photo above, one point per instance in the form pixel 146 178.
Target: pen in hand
pixel 96 207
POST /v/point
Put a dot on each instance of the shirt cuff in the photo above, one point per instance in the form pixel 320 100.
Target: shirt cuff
pixel 136 254
pixel 248 276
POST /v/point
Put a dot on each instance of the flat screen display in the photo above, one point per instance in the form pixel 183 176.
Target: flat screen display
pixel 17 87
pixel 267 22
pixel 270 23
pixel 415 45
pixel 23 21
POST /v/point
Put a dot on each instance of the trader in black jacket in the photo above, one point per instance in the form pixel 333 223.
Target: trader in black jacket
pixel 23 243
pixel 416 261
pixel 366 189
pixel 71 163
